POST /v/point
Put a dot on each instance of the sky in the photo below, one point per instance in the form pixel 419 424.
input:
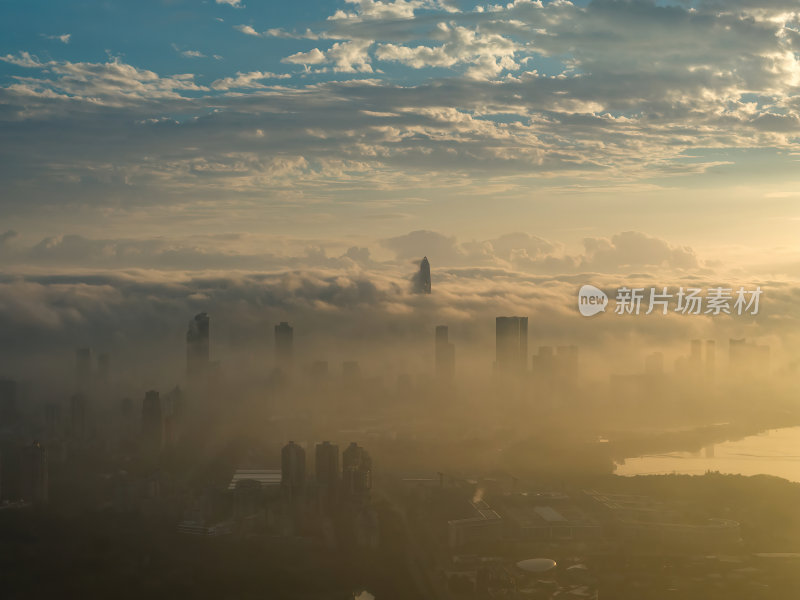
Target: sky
pixel 306 154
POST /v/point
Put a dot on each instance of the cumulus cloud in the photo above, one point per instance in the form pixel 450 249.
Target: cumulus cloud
pixel 610 92
pixel 63 38
pixel 188 53
pixel 247 30
pixel 250 80
pixel 346 57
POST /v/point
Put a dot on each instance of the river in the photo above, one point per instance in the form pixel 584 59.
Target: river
pixel 773 452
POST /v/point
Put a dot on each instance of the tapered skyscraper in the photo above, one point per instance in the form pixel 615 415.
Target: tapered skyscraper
pixel 422 279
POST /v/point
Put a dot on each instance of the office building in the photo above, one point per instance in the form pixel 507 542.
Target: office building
pixel 356 473
pixel 293 467
pixel 422 278
pixel 511 344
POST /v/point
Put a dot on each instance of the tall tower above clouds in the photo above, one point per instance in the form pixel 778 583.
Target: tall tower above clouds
pixel 422 278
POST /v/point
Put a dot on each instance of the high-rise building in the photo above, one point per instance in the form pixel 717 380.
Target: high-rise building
pixel 445 356
pixel 284 342
pixel 293 467
pixel 83 369
pixel 511 344
pixel 8 401
pixel 152 421
pixel 422 278
pixel 198 345
pixel 356 472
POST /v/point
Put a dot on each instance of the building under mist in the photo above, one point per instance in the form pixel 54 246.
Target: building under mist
pixel 422 278
pixel 356 473
pixel 293 468
pixel 511 344
pixel 326 469
pixel 198 345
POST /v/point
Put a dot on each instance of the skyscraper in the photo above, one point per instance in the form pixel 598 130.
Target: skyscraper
pixel 445 356
pixel 356 472
pixel 511 344
pixel 197 344
pixel 422 278
pixel 284 341
pixel 293 467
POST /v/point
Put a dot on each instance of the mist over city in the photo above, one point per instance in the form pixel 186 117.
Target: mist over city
pixel 400 299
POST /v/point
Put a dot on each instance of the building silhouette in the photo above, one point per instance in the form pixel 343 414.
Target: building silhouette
pixel 326 469
pixel 445 356
pixel 422 278
pixel 356 473
pixel 284 342
pixel 511 344
pixel 293 468
pixel 198 345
